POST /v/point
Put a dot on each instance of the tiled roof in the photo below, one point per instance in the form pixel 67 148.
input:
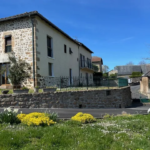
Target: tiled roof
pixel 36 13
pixel 97 59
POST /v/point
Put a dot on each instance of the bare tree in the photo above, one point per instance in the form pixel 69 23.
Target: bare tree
pixel 105 68
pixel 130 63
pixel 142 62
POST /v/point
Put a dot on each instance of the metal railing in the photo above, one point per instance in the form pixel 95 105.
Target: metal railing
pixel 79 83
pixel 88 64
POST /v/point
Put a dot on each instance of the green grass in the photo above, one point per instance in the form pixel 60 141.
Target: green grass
pixel 116 133
pixel 10 91
pixel 31 91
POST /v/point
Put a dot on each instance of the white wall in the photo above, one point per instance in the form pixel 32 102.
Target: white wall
pixel 62 62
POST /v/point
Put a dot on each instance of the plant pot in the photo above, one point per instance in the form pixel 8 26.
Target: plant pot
pixel 20 91
pixel 49 89
pixel 36 90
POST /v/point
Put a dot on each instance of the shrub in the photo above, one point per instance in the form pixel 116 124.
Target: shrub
pixel 19 70
pixel 53 116
pixel 24 88
pixel 35 119
pixel 9 116
pixel 114 76
pixel 107 116
pixel 136 74
pixel 83 118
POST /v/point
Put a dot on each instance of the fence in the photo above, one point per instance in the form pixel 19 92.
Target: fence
pixel 81 82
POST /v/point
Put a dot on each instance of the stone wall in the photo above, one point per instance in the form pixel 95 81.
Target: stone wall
pixel 21 33
pixel 115 98
pixel 144 85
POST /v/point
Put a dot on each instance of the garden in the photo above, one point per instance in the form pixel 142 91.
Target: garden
pixel 44 131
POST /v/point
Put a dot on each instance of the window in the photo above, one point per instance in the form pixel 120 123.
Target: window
pixel 49 47
pixel 89 63
pixel 70 51
pixel 82 60
pixel 8 44
pixel 65 49
pixel 50 69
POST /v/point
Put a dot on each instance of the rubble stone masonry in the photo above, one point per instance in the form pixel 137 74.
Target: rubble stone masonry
pixel 115 98
pixel 21 33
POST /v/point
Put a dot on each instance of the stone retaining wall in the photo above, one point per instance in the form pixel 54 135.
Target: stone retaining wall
pixel 115 98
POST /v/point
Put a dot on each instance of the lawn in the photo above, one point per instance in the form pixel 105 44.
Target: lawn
pixel 31 91
pixel 116 133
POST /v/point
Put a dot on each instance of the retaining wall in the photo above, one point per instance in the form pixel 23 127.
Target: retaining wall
pixel 113 98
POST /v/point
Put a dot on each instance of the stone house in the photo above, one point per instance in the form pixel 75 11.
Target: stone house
pixel 49 50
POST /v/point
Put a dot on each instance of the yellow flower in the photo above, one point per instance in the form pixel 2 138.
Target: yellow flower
pixel 36 119
pixel 83 117
pixel 21 116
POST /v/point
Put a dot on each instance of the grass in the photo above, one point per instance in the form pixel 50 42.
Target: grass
pixel 31 91
pixel 114 133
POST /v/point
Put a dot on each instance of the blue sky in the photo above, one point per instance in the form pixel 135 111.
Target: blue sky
pixel 116 30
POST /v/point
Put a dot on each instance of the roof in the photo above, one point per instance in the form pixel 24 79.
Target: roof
pixel 127 70
pixel 36 13
pixel 97 59
pixel 147 74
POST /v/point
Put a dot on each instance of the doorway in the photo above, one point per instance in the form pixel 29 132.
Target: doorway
pixel 4 76
pixel 70 75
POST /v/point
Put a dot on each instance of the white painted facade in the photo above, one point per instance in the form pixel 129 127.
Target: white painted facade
pixel 61 61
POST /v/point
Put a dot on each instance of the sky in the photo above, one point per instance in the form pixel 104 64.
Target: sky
pixel 118 31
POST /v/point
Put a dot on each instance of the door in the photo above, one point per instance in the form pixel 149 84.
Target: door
pixel 4 77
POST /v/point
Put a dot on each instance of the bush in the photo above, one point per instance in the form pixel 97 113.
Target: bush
pixel 83 118
pixel 136 74
pixel 114 76
pixel 36 119
pixel 24 88
pixel 9 116
pixel 107 116
pixel 53 116
pixel 105 75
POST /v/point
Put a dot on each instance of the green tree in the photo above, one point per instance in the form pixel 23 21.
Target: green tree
pixel 18 71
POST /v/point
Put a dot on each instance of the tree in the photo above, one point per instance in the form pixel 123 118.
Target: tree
pixel 130 63
pixel 105 68
pixel 142 62
pixel 18 71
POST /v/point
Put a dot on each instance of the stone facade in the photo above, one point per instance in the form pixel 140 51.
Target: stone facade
pixel 114 98
pixel 21 33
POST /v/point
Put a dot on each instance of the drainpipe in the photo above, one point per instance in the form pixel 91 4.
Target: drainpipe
pixel 33 49
pixel 79 59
